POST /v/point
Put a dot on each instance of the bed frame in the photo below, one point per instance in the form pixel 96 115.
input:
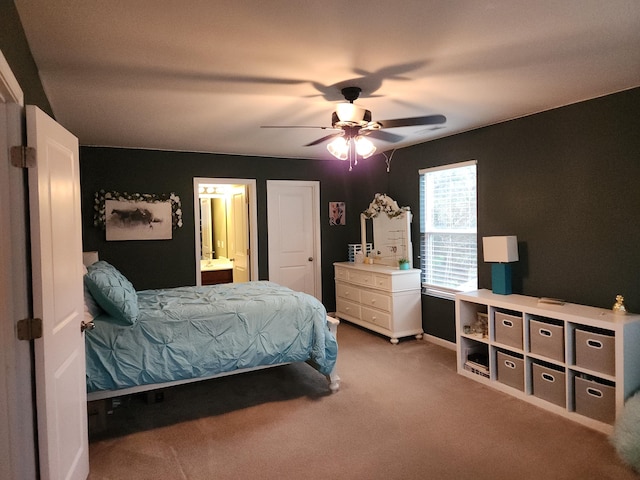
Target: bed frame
pixel 333 378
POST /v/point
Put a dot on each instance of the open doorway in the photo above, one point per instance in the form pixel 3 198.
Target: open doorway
pixel 226 230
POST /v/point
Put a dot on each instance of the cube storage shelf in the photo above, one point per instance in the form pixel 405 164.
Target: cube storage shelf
pixel 577 361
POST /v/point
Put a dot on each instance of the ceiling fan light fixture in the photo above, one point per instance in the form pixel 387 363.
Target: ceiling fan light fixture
pixel 364 147
pixel 348 112
pixel 339 148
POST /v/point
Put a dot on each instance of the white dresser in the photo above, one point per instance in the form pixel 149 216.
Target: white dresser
pixel 380 298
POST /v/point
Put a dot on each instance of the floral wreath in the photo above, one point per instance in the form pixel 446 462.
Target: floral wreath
pixel 384 203
pixel 99 216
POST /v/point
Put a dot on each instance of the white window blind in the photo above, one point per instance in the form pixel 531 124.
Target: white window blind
pixel 448 229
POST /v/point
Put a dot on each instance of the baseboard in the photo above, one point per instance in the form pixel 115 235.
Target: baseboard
pixel 439 341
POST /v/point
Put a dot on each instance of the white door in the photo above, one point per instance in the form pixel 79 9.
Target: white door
pixel 238 233
pixel 293 222
pixel 17 440
pixel 56 238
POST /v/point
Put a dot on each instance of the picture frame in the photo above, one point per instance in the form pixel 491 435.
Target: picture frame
pixel 127 220
pixel 337 213
pixel 137 216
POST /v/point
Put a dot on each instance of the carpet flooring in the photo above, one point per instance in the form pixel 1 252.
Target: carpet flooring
pixel 402 412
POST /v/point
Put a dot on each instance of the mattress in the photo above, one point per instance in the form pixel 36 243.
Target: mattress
pixel 192 332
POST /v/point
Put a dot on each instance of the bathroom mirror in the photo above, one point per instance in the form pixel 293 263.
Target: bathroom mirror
pixel 213 231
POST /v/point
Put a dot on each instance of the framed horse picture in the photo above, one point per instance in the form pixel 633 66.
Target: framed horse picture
pixel 138 220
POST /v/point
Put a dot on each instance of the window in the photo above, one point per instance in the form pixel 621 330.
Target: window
pixel 448 229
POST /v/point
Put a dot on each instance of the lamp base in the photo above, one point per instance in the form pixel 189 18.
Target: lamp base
pixel 501 278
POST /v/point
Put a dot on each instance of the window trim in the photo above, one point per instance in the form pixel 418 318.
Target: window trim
pixel 449 166
pixel 434 290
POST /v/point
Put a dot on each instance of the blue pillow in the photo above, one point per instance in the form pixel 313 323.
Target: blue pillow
pixel 112 291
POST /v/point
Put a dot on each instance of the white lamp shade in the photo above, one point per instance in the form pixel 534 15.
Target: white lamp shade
pixel 500 249
pixel 339 148
pixel 364 147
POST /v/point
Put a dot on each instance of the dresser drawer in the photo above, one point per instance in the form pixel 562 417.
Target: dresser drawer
pixel 376 300
pixel 382 281
pixel 348 308
pixel 361 278
pixel 341 273
pixel 376 317
pixel 348 292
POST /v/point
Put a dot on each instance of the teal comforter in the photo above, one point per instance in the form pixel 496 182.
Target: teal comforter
pixel 193 332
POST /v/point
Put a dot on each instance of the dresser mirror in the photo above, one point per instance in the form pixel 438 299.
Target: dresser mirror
pixel 391 231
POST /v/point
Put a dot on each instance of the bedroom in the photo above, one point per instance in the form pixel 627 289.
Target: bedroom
pixel 571 169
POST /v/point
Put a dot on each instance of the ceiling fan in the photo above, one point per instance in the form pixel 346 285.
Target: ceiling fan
pixel 355 123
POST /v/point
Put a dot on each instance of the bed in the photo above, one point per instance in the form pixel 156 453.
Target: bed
pixel 153 339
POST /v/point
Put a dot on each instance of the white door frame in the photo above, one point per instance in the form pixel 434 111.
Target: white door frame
pixel 250 183
pixel 317 247
pixel 17 441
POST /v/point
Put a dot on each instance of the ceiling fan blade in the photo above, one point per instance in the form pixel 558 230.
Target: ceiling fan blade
pixel 323 139
pixel 382 135
pixel 412 121
pixel 298 126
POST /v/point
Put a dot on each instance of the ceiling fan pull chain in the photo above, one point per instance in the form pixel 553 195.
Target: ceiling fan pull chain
pixel 388 159
pixel 350 156
pixel 352 145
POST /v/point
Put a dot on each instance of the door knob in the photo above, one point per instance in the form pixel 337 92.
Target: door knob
pixel 87 326
pixel 311 259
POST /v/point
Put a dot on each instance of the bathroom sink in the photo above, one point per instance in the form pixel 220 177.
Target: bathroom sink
pixel 216 264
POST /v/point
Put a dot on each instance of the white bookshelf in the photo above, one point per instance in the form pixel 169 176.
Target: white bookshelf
pixel 585 387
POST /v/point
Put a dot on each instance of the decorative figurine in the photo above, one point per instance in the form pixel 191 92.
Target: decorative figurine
pixel 619 307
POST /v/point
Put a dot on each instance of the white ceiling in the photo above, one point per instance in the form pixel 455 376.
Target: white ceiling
pixel 203 75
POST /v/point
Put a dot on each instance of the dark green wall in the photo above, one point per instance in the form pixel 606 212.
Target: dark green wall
pixel 157 264
pixel 566 182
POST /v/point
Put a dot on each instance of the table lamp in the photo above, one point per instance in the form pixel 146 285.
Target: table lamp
pixel 500 251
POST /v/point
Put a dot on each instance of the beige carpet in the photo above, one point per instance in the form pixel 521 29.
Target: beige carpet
pixel 402 413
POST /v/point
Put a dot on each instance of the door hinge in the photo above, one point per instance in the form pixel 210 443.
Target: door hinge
pixel 248 252
pixel 29 329
pixel 23 157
